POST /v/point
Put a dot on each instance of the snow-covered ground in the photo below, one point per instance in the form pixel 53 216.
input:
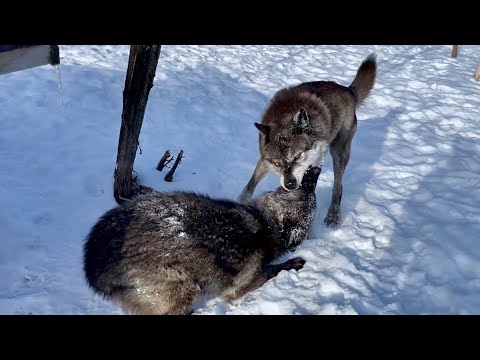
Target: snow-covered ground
pixel 411 203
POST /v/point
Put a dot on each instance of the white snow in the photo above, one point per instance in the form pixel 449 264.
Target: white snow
pixel 409 239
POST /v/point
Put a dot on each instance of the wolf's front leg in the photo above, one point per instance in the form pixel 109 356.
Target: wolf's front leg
pixel 259 173
pixel 268 273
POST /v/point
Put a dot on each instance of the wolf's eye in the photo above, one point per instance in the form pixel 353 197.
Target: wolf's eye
pixel 298 156
pixel 276 163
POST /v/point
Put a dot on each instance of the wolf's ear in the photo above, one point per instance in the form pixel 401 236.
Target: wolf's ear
pixel 302 121
pixel 265 130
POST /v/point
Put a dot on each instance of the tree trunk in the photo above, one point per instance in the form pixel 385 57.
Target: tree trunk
pixel 477 73
pixel 142 65
pixel 454 51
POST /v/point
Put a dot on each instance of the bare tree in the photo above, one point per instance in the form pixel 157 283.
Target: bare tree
pixel 142 65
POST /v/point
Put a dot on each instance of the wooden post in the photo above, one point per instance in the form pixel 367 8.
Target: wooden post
pixel 165 159
pixel 169 176
pixel 142 65
pixel 477 73
pixel 454 51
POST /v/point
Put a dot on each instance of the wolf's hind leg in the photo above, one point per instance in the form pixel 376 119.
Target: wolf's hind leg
pixel 268 273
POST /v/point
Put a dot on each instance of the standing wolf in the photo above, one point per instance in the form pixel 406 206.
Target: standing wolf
pixel 302 123
pixel 160 253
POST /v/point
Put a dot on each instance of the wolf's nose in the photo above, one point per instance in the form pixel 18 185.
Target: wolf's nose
pixel 291 184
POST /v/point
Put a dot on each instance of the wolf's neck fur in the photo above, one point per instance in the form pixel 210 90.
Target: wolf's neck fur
pixel 279 228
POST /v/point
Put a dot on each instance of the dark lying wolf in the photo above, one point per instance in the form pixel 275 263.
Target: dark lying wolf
pixel 159 254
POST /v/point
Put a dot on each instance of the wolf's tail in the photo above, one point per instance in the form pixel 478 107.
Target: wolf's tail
pixel 365 79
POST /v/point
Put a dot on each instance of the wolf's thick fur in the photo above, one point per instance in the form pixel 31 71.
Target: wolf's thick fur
pixel 302 123
pixel 160 253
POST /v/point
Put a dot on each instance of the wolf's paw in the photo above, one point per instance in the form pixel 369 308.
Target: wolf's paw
pixel 333 216
pixel 294 264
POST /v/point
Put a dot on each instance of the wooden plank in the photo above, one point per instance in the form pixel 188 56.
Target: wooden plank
pixel 5 48
pixel 23 57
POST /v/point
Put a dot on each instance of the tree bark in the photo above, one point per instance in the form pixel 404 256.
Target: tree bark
pixel 142 65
